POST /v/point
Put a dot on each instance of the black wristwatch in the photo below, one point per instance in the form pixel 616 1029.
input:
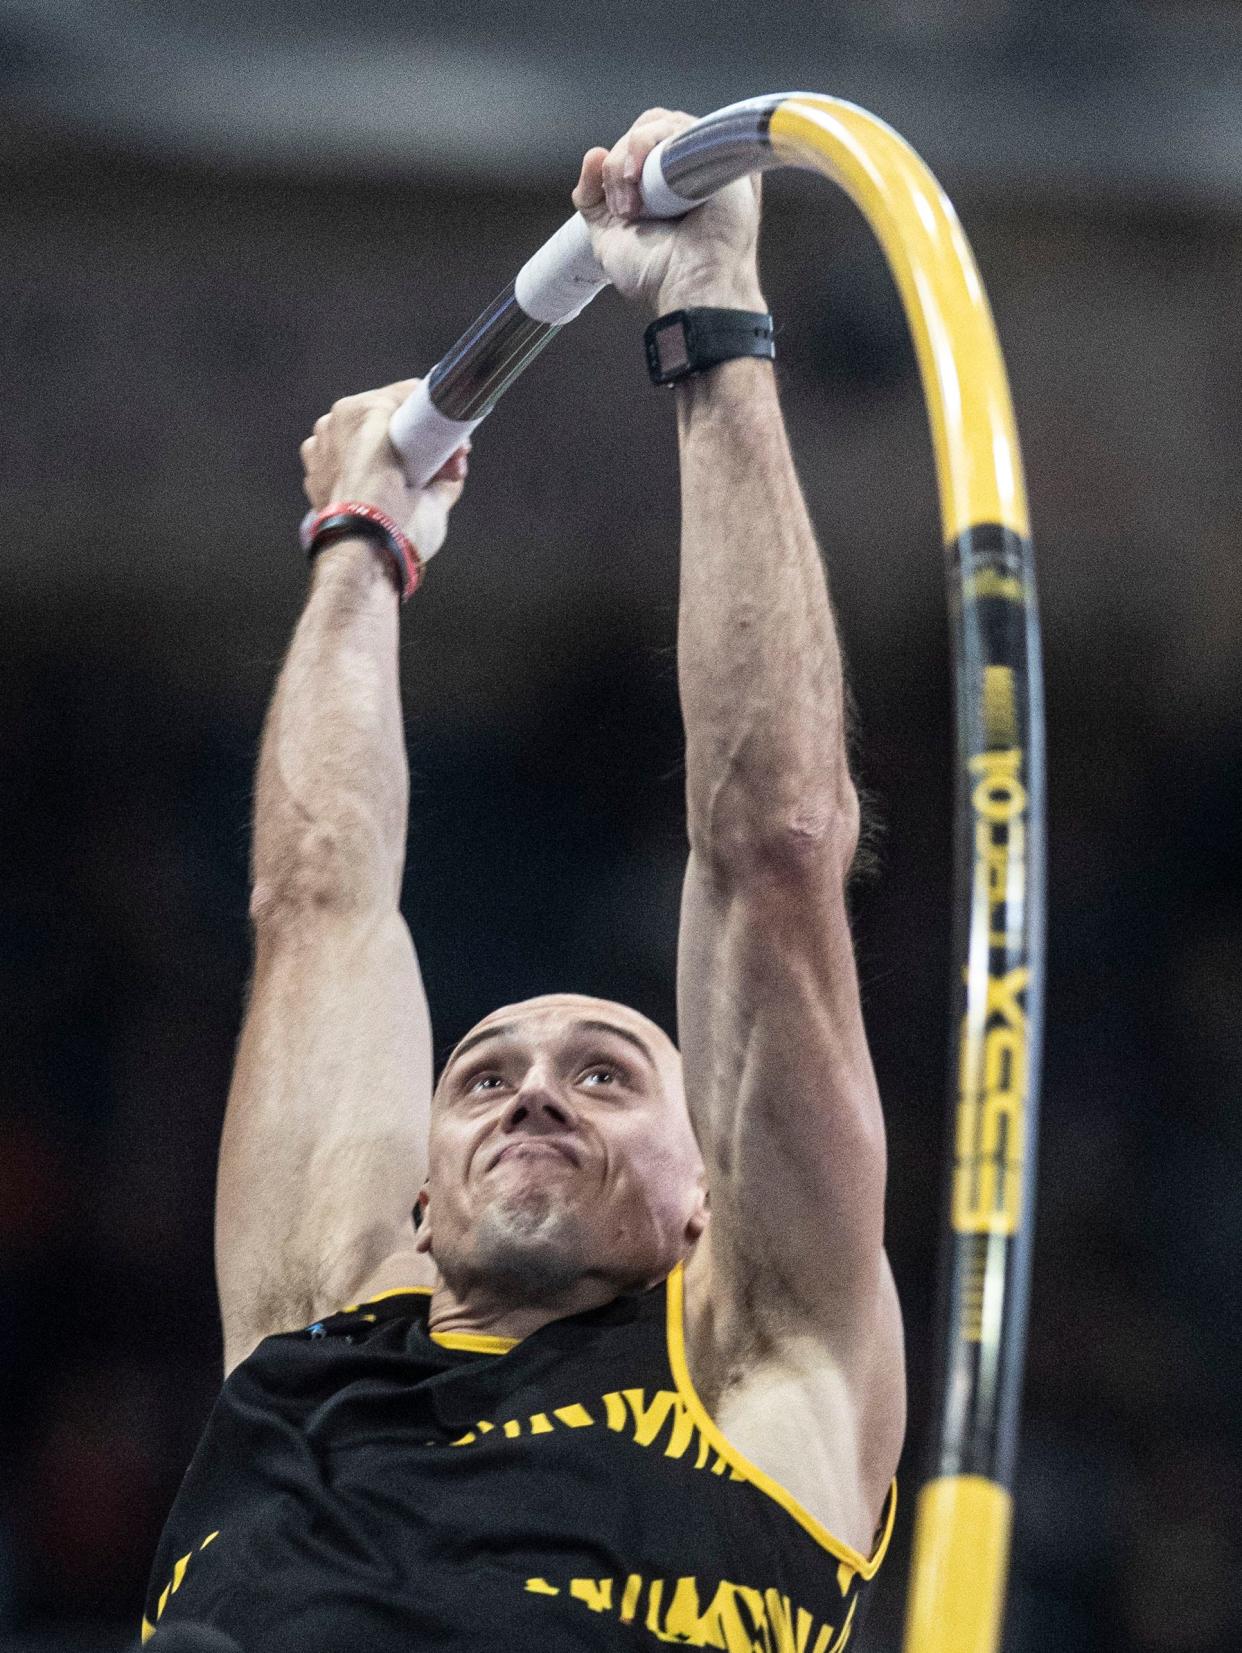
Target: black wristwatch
pixel 689 341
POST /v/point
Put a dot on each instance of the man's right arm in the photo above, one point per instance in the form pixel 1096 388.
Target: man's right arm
pixel 324 1143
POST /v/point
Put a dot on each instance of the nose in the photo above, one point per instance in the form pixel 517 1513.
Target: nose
pixel 538 1108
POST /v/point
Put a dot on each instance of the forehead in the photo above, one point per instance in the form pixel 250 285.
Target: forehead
pixel 554 1016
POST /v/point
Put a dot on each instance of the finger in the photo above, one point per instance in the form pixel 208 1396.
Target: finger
pixel 623 168
pixel 589 190
pixel 392 396
pixel 365 402
pixel 620 179
pixel 648 131
pixel 446 490
pixel 620 191
pixel 306 450
pixel 455 467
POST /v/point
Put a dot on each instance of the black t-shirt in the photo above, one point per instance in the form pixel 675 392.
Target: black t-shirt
pixel 364 1487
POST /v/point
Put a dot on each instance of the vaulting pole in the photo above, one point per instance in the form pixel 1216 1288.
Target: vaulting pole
pixel 963 1514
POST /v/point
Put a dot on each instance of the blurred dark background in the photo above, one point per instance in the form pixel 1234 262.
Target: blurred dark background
pixel 212 228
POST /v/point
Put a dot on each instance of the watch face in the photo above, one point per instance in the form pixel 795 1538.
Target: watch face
pixel 670 343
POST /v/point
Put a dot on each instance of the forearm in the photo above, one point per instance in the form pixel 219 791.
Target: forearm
pixel 760 669
pixel 332 790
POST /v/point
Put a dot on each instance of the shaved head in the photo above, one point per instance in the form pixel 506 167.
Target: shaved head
pixel 586 1008
pixel 561 1153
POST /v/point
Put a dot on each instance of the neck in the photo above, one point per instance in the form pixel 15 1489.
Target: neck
pixel 477 1309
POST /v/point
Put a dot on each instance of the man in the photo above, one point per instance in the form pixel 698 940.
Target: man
pixel 574 1405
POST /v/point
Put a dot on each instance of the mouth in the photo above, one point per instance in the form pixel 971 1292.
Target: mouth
pixel 533 1148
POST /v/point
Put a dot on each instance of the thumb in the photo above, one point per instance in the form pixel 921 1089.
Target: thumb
pixel 453 472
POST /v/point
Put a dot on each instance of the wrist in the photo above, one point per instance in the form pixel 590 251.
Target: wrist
pixel 716 290
pixel 353 561
pixel 358 520
pixel 740 389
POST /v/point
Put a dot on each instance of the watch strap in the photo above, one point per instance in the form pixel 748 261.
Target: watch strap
pixel 690 341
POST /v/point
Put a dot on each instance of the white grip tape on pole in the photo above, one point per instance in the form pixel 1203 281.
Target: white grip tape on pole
pixel 561 279
pixel 659 201
pixel 424 437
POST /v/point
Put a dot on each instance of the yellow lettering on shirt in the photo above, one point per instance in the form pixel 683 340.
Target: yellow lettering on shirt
pixel 595 1593
pixel 657 1418
pixel 733 1618
pixel 574 1417
pixel 629 1597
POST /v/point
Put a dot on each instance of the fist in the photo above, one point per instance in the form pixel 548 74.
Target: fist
pixel 349 457
pixel 708 257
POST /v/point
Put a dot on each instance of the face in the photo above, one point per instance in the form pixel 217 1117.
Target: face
pixel 560 1149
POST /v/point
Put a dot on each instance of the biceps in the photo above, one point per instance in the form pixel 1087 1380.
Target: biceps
pixel 324 1139
pixel 779 1079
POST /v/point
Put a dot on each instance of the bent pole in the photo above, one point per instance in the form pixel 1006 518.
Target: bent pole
pixel 963 1514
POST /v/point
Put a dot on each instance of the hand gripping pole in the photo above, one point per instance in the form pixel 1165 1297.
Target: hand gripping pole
pixel 962 1523
pixel 559 281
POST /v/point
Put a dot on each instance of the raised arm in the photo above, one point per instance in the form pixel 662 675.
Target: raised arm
pixel 777 1071
pixel 324 1143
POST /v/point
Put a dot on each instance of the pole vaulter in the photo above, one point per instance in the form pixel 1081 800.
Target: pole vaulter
pixel 964 1511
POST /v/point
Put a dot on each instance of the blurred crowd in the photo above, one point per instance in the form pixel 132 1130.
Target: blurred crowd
pixel 546 838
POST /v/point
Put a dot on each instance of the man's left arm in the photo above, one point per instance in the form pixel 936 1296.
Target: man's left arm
pixel 778 1075
pixel 777 1072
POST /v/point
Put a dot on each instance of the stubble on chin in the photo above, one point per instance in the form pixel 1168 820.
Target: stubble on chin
pixel 528 1249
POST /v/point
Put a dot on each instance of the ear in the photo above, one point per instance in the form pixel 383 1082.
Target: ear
pixel 698 1218
pixel 422 1221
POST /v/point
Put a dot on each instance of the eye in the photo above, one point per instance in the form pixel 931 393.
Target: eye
pixel 604 1072
pixel 484 1081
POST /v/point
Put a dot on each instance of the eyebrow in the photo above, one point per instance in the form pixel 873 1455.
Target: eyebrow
pixel 506 1030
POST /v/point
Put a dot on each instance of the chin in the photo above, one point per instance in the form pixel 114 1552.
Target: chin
pixel 530 1246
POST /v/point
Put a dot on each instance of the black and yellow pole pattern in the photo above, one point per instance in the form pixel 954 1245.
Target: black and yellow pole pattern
pixel 963 1514
pixel 963 1517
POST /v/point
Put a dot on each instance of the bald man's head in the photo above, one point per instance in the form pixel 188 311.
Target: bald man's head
pixel 561 1147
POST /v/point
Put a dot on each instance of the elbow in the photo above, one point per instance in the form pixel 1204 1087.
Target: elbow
pixel 807 839
pixel 326 872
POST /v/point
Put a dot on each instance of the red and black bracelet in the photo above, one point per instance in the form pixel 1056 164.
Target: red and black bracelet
pixel 354 519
